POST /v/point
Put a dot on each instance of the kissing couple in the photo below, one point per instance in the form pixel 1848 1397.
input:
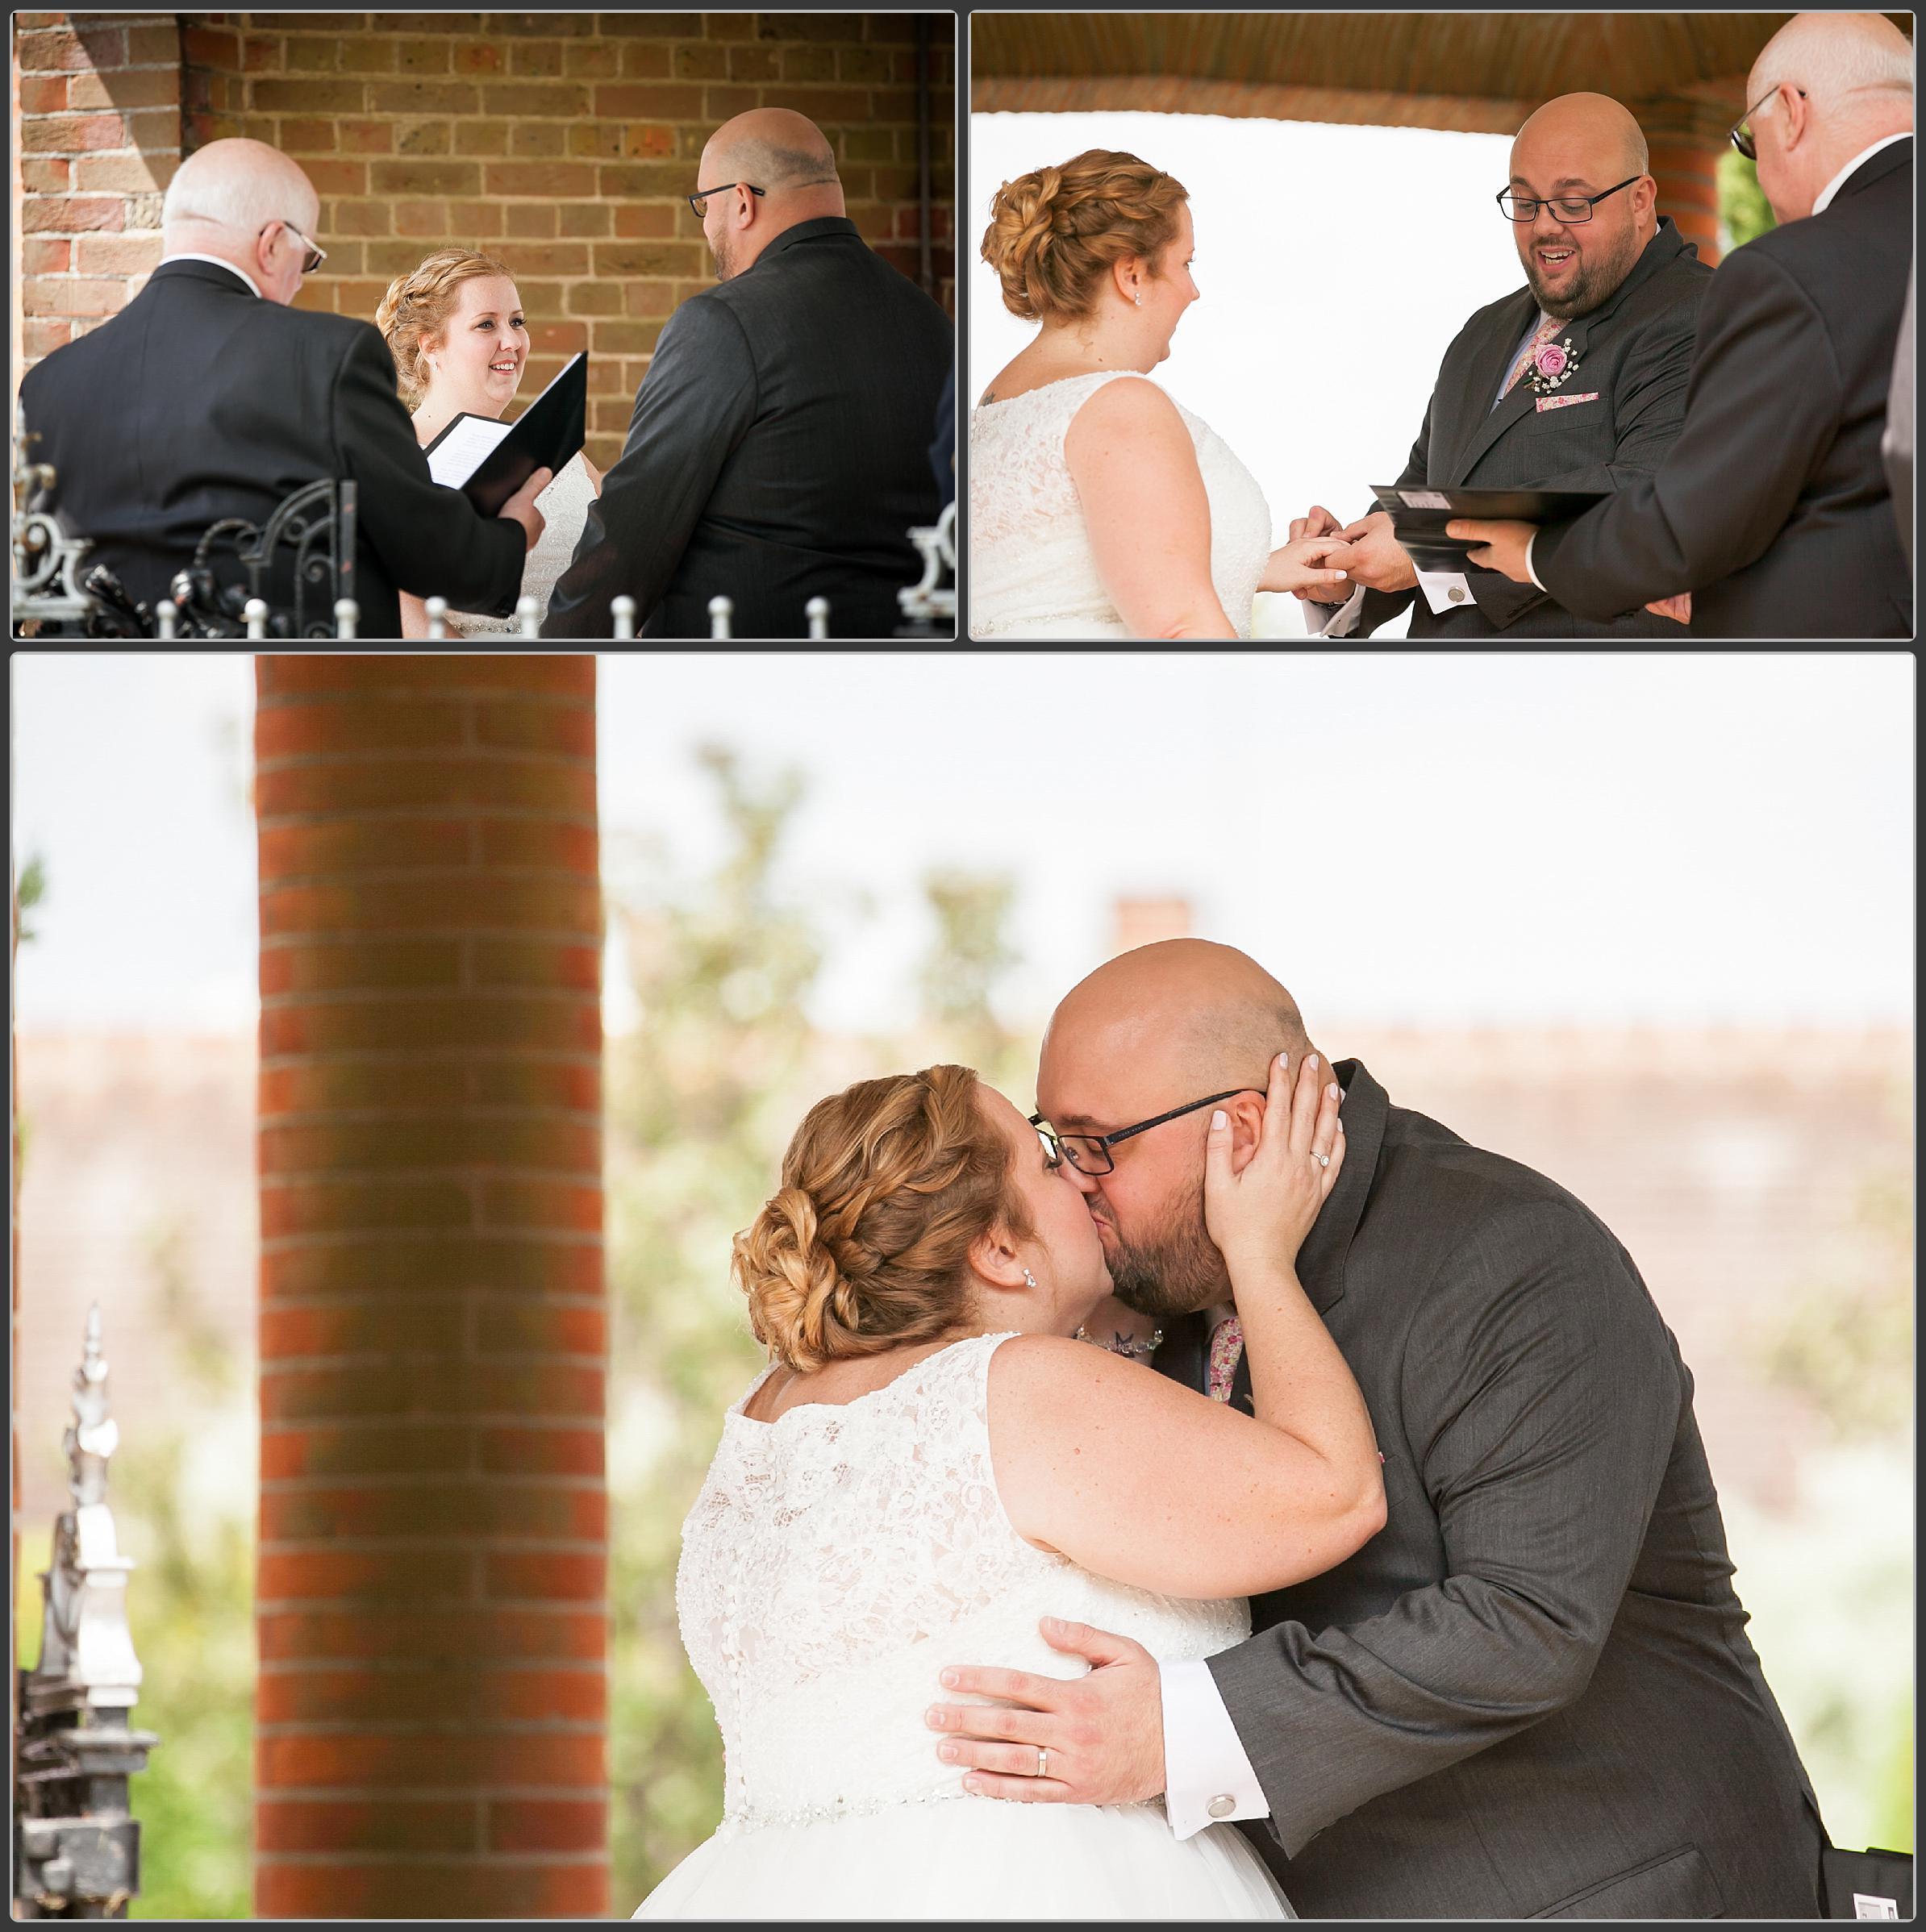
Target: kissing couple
pixel 1000 1624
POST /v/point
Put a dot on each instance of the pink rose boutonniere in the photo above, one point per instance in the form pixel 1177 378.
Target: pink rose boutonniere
pixel 1553 365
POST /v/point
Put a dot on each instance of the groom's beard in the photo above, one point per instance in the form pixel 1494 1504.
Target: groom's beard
pixel 1597 280
pixel 1175 1269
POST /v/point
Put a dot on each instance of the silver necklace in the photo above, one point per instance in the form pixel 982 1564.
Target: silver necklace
pixel 1121 1344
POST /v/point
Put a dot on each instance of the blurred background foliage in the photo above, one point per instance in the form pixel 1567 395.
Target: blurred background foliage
pixel 703 1095
pixel 1744 212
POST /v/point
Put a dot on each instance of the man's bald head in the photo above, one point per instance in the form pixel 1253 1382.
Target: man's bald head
pixel 236 200
pixel 1164 1027
pixel 786 155
pixel 240 185
pixel 1579 146
pixel 1183 1013
pixel 1832 55
pixel 1825 89
pixel 1590 128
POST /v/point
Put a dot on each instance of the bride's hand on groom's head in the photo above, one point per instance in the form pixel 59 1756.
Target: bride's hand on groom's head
pixel 1259 1210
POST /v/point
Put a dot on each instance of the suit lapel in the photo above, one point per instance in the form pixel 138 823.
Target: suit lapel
pixel 1488 367
pixel 1664 246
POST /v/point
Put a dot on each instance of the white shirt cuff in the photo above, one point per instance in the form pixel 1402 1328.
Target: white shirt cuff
pixel 1208 1776
pixel 1334 620
pixel 1529 572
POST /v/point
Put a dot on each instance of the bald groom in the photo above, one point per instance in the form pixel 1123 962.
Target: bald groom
pixel 1531 1694
pixel 1613 291
pixel 777 451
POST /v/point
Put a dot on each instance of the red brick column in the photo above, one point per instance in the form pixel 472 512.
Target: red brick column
pixel 1688 191
pixel 431 1708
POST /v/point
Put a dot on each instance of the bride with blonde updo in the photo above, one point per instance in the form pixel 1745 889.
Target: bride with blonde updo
pixel 1099 506
pixel 936 1462
pixel 454 326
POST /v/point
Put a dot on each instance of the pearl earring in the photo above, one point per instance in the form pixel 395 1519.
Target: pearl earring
pixel 1138 298
pixel 1029 1279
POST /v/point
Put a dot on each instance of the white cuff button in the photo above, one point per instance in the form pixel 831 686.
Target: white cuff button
pixel 1222 1805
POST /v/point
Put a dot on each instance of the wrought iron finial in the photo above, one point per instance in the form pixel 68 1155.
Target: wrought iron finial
pixel 78 1848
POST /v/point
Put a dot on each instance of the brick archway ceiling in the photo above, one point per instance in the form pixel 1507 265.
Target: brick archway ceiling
pixel 1683 73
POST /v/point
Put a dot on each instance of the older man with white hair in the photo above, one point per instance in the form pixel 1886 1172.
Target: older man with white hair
pixel 209 397
pixel 1773 509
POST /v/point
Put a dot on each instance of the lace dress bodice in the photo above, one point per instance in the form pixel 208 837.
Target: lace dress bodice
pixel 1032 572
pixel 565 505
pixel 838 1558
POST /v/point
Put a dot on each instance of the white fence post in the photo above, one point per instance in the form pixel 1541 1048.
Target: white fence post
pixel 165 613
pixel 721 609
pixel 348 613
pixel 622 610
pixel 255 612
pixel 817 611
pixel 436 609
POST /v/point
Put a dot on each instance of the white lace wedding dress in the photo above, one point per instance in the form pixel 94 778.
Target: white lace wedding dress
pixel 565 507
pixel 836 1560
pixel 1033 573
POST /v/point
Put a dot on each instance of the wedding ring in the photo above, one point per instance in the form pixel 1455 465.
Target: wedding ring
pixel 1043 1761
pixel 1323 1160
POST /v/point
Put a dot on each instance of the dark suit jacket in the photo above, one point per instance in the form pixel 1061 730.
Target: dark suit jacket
pixel 778 451
pixel 200 400
pixel 1531 1692
pixel 1635 351
pixel 1773 508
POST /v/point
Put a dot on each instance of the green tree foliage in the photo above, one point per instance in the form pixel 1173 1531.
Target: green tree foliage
pixel 1845 1343
pixel 1744 212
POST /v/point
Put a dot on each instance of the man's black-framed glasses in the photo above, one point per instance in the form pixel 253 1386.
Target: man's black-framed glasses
pixel 700 201
pixel 313 258
pixel 1740 134
pixel 1089 1153
pixel 1570 209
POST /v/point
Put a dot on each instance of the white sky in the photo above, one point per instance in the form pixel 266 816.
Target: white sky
pixel 1335 265
pixel 1426 838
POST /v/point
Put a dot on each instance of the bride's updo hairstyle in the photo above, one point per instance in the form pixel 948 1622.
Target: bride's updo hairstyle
pixel 866 1246
pixel 1054 234
pixel 417 308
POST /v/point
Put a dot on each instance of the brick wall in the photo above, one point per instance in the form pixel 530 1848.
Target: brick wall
pixel 561 142
pixel 99 138
pixel 431 1708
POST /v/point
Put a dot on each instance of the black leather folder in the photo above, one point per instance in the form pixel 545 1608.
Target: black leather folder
pixel 1419 514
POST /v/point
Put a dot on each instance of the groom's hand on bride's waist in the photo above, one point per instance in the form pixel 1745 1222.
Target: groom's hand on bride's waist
pixel 1093 1740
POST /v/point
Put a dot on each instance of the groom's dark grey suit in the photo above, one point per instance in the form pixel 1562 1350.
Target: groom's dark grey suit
pixel 1532 1694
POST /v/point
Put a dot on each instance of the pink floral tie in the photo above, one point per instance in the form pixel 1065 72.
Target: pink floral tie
pixel 1227 1345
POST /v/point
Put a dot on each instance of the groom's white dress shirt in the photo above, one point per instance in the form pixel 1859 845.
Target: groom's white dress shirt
pixel 1207 1774
pixel 1823 201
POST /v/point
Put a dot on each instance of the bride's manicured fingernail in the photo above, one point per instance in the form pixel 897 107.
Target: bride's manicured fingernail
pixel 947 1752
pixel 973 1785
pixel 1311 1064
pixel 934 1718
pixel 1219 1119
pixel 948 1680
pixel 1330 1091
